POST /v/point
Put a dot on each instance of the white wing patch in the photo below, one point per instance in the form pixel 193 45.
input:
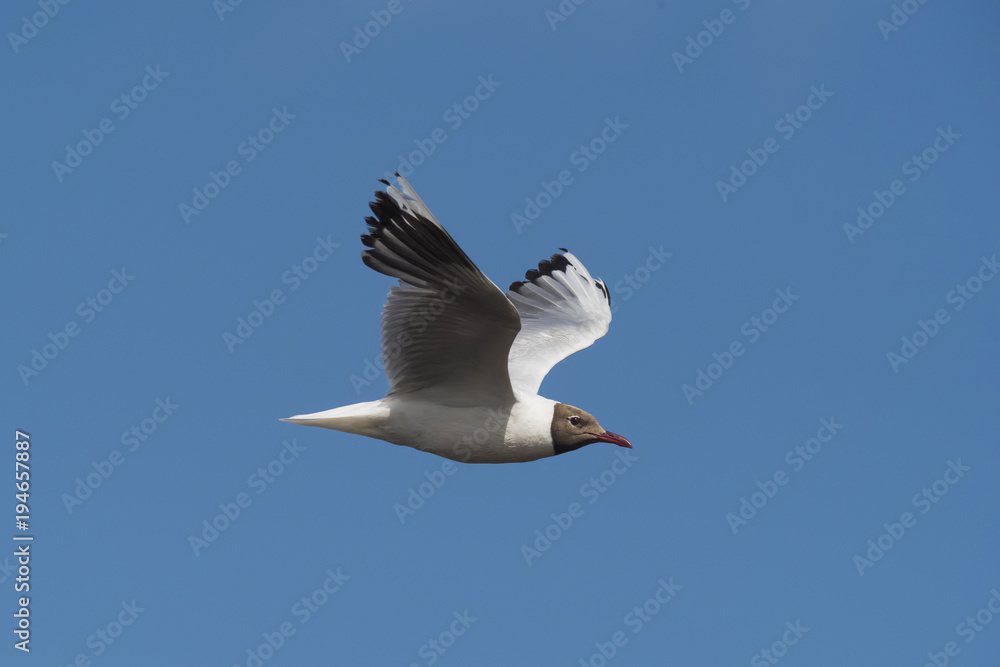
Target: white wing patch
pixel 563 310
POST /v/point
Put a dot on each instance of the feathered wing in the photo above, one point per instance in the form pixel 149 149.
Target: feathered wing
pixel 446 329
pixel 563 310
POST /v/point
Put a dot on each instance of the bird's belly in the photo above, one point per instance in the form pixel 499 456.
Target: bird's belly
pixel 468 435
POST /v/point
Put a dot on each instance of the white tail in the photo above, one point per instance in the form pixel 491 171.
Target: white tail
pixel 361 418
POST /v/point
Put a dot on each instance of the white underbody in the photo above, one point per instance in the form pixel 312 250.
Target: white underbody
pixel 500 434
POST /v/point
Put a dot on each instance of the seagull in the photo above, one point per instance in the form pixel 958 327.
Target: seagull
pixel 464 360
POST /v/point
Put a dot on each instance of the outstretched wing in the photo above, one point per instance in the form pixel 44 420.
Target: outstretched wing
pixel 563 310
pixel 446 329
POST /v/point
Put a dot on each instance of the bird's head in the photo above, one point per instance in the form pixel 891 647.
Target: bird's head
pixel 573 428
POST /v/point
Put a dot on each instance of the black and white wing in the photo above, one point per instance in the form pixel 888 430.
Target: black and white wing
pixel 446 329
pixel 563 310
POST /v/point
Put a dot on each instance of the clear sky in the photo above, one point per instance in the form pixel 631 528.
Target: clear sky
pixel 793 204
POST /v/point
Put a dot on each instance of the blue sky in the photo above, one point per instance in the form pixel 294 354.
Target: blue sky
pixel 793 204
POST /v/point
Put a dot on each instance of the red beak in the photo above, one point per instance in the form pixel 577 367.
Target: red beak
pixel 613 438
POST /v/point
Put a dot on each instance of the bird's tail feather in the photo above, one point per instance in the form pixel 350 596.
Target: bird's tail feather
pixel 360 418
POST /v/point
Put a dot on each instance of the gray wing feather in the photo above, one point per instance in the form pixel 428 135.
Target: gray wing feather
pixel 446 329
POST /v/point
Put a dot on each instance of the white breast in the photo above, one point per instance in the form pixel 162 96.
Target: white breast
pixel 530 426
pixel 504 434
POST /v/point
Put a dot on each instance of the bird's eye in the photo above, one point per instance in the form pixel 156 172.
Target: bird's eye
pixel 575 421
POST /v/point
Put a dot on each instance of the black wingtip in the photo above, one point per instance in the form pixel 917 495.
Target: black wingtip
pixel 556 263
pixel 545 268
pixel 406 244
pixel 604 288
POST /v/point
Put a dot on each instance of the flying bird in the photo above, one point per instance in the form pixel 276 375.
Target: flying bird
pixel 465 360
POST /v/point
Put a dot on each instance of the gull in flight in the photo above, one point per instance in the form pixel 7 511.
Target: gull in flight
pixel 465 360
